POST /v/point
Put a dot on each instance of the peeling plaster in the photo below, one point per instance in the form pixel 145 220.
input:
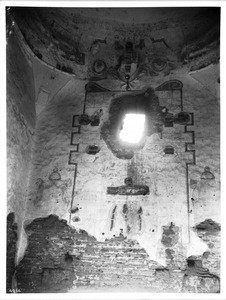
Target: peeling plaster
pixel 103 216
pixel 94 175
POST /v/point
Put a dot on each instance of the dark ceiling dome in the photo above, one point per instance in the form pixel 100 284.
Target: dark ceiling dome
pixel 74 39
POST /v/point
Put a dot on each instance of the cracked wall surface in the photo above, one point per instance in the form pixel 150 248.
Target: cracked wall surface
pixel 149 220
pixel 62 259
pixel 75 235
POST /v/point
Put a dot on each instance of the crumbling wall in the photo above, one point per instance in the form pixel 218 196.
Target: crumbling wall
pixel 149 242
pixel 61 259
pixel 72 184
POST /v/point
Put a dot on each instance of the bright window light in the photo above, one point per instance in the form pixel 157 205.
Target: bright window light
pixel 133 128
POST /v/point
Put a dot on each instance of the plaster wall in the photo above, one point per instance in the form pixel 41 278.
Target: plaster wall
pixel 20 138
pixel 20 126
pixel 80 197
pixel 55 122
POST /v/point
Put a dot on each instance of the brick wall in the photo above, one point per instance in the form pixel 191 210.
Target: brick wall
pixel 60 259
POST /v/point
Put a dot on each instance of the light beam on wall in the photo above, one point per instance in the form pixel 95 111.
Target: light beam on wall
pixel 133 128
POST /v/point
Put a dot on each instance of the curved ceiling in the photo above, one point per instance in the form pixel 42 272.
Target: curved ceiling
pixel 93 43
pixel 136 15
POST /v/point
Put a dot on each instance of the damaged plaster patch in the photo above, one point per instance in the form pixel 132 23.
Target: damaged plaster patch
pixel 208 225
pixel 198 279
pixel 198 245
pixel 61 259
pixel 198 284
pixel 50 241
pixel 170 235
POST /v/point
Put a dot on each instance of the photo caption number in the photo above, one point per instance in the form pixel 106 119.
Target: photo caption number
pixel 14 291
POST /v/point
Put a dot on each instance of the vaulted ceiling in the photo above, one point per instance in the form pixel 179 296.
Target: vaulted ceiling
pixel 95 43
